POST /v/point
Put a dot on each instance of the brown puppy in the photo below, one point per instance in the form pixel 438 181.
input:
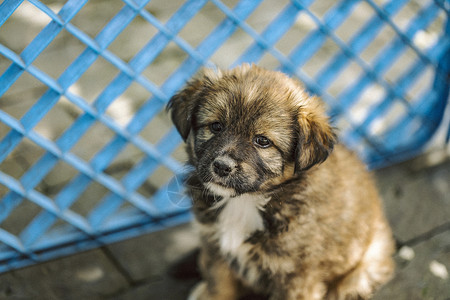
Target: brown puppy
pixel 279 213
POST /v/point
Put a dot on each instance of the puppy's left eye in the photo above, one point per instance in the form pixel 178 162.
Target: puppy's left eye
pixel 216 127
pixel 262 142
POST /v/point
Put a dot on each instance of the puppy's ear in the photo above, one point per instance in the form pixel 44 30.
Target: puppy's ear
pixel 182 105
pixel 316 137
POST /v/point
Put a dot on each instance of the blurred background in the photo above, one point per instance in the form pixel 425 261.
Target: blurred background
pixel 89 157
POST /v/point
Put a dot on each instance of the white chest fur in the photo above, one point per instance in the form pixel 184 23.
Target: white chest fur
pixel 238 220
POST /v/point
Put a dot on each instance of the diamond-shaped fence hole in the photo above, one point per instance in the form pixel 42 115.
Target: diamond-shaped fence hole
pixel 343 125
pixel 230 3
pixel 124 162
pixel 163 9
pixel 157 127
pixel 320 8
pixel 133 38
pixel 126 205
pixel 300 29
pixel 21 158
pixel 367 101
pixel 425 39
pixel 380 42
pixel 422 84
pixel 180 153
pixel 53 5
pixel 22 95
pixel 3 191
pixel 400 65
pixel 165 64
pixel 161 176
pixel 198 28
pixel 94 80
pixel 361 13
pixel 4 63
pixel 61 174
pixel 103 12
pixel 59 54
pixel 157 179
pixel 147 189
pixel 383 123
pixel 269 62
pixel 4 129
pixel 320 57
pixel 232 49
pixel 89 199
pixel 20 217
pixel 407 13
pixel 265 13
pixel 93 141
pixel 126 105
pixel 58 119
pixel 438 23
pixel 345 78
pixel 346 132
pixel 23 26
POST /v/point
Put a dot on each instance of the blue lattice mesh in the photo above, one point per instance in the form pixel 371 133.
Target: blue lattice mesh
pixel 87 153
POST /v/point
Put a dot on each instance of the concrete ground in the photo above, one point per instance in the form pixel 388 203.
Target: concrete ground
pixel 161 265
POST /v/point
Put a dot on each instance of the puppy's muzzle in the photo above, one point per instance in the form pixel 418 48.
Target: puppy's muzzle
pixel 223 166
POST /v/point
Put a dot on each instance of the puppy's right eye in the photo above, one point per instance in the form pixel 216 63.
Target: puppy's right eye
pixel 216 127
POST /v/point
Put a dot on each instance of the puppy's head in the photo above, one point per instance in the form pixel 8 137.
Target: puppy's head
pixel 249 129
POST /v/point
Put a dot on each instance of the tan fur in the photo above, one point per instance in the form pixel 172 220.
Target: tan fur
pixel 316 227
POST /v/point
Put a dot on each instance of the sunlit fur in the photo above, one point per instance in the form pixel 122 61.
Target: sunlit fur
pixel 295 216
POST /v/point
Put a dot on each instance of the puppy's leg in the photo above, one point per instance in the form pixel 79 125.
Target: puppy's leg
pixel 300 288
pixel 219 281
pixel 375 268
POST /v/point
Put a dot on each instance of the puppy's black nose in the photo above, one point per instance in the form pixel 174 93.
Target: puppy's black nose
pixel 223 167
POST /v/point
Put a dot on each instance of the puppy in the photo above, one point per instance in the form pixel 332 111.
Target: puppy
pixel 278 212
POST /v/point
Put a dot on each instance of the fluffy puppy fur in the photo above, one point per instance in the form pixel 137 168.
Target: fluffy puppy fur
pixel 279 212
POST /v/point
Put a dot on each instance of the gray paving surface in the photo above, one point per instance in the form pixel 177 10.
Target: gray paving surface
pixel 417 204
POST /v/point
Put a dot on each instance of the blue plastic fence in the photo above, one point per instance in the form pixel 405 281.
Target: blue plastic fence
pixel 385 115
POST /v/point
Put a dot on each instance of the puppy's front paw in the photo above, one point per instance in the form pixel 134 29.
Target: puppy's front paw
pixel 199 292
